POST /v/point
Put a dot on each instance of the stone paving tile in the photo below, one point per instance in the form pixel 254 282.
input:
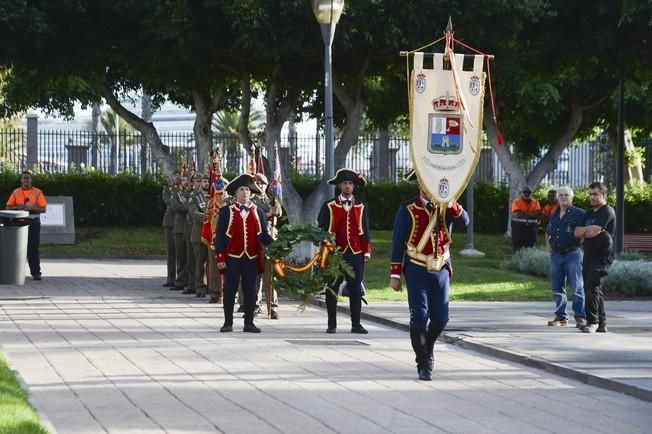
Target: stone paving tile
pixel 116 354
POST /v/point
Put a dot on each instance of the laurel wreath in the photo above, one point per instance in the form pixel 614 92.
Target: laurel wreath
pixel 314 276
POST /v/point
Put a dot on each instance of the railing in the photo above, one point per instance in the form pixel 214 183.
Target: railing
pixel 61 151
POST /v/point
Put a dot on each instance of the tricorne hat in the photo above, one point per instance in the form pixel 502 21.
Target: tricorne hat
pixel 244 180
pixel 347 175
pixel 262 178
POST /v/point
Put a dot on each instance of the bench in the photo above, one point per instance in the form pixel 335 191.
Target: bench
pixel 638 242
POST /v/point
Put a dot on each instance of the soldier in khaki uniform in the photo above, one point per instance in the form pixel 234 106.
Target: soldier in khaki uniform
pixel 178 205
pixel 195 184
pixel 200 250
pixel 168 225
pixel 215 281
pixel 272 208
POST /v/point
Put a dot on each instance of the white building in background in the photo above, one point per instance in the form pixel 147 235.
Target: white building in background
pixel 169 117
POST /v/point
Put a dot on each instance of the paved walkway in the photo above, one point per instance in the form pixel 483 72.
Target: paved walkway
pixel 620 360
pixel 103 348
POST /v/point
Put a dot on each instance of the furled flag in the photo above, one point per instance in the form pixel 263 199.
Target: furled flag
pixel 251 166
pixel 277 183
pixel 215 201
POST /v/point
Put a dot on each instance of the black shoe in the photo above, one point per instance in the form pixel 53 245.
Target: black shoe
pixel 200 295
pixel 241 309
pixel 188 291
pixel 176 288
pixel 359 330
pixel 167 284
pixel 37 277
pixel 331 330
pixel 602 329
pixel 425 374
pixel 226 328
pixel 250 328
pixel 212 300
pixel 274 315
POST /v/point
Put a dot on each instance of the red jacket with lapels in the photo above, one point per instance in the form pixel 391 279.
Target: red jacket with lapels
pixel 239 237
pixel 351 227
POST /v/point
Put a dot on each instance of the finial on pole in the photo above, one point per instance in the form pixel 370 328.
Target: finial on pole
pixel 449 26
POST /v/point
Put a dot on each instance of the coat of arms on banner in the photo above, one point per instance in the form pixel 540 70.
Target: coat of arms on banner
pixel 445 127
pixel 420 85
pixel 474 85
pixel 443 187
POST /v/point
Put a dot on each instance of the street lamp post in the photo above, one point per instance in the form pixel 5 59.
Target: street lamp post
pixel 327 13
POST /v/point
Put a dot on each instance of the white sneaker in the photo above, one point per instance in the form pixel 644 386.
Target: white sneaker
pixel 590 328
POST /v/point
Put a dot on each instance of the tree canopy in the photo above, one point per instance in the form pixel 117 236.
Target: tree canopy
pixel 556 71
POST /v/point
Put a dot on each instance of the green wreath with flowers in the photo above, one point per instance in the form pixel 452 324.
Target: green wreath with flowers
pixel 316 275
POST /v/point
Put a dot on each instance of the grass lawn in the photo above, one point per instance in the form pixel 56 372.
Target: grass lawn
pixel 16 414
pixel 474 279
pixel 111 241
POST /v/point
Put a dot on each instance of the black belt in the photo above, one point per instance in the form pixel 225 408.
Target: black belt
pixel 565 251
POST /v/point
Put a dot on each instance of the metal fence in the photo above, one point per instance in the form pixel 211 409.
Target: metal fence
pixel 62 151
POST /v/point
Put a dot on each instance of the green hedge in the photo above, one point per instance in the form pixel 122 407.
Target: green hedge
pixel 125 200
pixel 100 199
pixel 383 199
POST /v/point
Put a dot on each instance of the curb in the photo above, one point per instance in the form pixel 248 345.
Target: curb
pixel 467 343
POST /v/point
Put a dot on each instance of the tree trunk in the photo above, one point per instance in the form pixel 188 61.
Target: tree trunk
pixel 160 151
pixel 206 103
pixel 146 114
pixel 517 176
pixel 95 126
pixel 354 103
pixel 382 156
pixel 244 135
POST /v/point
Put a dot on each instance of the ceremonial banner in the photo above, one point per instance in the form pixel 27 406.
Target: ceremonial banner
pixel 445 122
pixel 215 202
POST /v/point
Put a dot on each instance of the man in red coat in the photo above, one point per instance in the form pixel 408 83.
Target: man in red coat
pixel 239 237
pixel 348 218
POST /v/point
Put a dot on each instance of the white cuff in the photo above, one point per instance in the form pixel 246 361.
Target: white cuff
pixel 395 276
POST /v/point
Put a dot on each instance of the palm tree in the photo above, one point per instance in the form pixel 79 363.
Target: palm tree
pixel 225 123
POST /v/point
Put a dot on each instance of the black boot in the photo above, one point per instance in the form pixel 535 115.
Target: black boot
pixel 431 337
pixel 331 308
pixel 418 338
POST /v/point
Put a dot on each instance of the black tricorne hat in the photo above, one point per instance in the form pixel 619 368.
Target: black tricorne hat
pixel 347 175
pixel 243 180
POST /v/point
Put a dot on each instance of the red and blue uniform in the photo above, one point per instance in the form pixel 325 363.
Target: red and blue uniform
pixel 351 226
pixel 238 244
pixel 425 263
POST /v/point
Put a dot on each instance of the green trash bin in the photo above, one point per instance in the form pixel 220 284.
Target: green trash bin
pixel 13 246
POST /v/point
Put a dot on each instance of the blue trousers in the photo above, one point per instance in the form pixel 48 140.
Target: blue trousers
pixel 427 297
pixel 567 268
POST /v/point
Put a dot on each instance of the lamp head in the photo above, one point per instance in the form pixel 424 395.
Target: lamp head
pixel 323 8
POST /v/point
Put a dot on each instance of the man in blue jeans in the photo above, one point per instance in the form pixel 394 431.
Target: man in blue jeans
pixel 565 259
